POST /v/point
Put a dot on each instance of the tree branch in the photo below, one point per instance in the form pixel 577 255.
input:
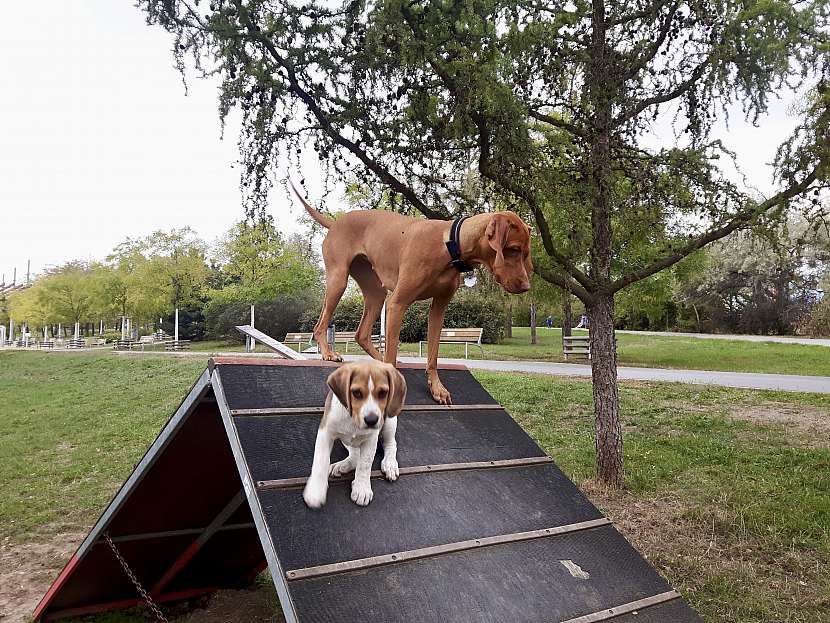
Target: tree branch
pixel 373 165
pixel 558 123
pixel 563 282
pixel 739 220
pixel 506 182
pixel 651 51
pixel 662 98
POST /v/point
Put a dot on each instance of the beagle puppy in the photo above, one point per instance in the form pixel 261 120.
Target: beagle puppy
pixel 363 404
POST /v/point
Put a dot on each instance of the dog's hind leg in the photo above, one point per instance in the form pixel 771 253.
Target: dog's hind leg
pixel 373 298
pixel 337 277
pixel 346 465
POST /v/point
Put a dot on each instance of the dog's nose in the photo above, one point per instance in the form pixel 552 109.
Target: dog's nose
pixel 523 287
pixel 371 420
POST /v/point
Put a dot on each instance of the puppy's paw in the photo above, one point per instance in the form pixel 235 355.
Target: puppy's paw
pixel 332 356
pixel 389 467
pixel 314 494
pixel 341 467
pixel 361 493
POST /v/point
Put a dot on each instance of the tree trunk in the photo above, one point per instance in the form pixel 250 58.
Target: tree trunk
pixel 508 319
pixel 567 314
pixel 603 87
pixel 609 442
pixel 533 338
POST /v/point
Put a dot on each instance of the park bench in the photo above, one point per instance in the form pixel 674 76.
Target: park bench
pixel 177 345
pixel 576 346
pixel 76 343
pixel 46 344
pixel 124 344
pixel 466 336
pixel 340 337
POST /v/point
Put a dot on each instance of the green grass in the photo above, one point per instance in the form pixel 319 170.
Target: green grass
pixel 635 350
pixel 73 426
pixel 672 352
pixel 735 514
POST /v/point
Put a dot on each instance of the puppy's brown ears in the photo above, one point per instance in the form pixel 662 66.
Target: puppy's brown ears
pixel 339 382
pixel 496 234
pixel 397 391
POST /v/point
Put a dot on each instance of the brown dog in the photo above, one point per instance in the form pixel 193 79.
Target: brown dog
pixel 385 251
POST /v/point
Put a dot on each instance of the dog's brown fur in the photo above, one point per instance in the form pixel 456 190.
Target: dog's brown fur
pixel 385 251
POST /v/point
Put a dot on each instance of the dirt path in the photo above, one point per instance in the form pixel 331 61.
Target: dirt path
pixel 27 570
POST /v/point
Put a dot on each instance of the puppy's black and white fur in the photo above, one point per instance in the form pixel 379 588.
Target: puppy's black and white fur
pixel 363 404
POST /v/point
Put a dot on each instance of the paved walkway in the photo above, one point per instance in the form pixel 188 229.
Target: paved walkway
pixel 781 339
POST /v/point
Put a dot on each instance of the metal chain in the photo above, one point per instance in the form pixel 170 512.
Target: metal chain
pixel 148 600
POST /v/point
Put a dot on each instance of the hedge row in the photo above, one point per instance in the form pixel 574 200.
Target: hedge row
pixel 299 313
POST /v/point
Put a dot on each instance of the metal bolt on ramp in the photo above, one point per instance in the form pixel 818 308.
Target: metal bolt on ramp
pixel 482 526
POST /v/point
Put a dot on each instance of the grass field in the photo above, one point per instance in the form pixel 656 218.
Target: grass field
pixel 728 491
pixel 639 350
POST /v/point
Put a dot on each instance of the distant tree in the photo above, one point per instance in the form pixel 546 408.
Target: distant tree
pixel 412 93
pixel 64 294
pixel 764 283
pixel 258 265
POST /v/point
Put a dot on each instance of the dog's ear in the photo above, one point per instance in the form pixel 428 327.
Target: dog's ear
pixel 339 382
pixel 496 234
pixel 397 391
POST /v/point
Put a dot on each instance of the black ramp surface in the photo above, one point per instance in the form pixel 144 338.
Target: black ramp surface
pixel 337 565
pixel 425 510
pixel 517 583
pixel 280 386
pixel 286 449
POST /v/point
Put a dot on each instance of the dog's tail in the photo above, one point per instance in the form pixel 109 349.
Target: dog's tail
pixel 321 218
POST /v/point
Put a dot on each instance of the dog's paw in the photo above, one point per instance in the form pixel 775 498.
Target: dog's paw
pixel 332 356
pixel 389 467
pixel 361 493
pixel 440 394
pixel 341 467
pixel 314 495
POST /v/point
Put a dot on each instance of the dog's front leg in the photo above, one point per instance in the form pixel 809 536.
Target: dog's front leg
pixel 362 485
pixel 317 485
pixel 434 324
pixel 389 464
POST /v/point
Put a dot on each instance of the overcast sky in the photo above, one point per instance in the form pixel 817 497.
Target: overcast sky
pixel 98 141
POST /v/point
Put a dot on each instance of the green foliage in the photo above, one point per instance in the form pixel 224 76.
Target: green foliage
pixel 256 265
pixel 467 309
pixel 64 294
pixel 817 323
pixel 276 317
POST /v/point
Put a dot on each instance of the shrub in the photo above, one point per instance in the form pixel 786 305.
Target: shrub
pixel 466 310
pixel 817 322
pixel 191 323
pixel 276 317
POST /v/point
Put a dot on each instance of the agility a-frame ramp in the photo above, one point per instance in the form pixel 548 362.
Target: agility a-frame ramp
pixel 481 526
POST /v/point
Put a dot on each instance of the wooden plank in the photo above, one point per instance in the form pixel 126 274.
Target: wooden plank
pixel 633 606
pixel 315 410
pixel 291 483
pixel 437 550
pixel 267 340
